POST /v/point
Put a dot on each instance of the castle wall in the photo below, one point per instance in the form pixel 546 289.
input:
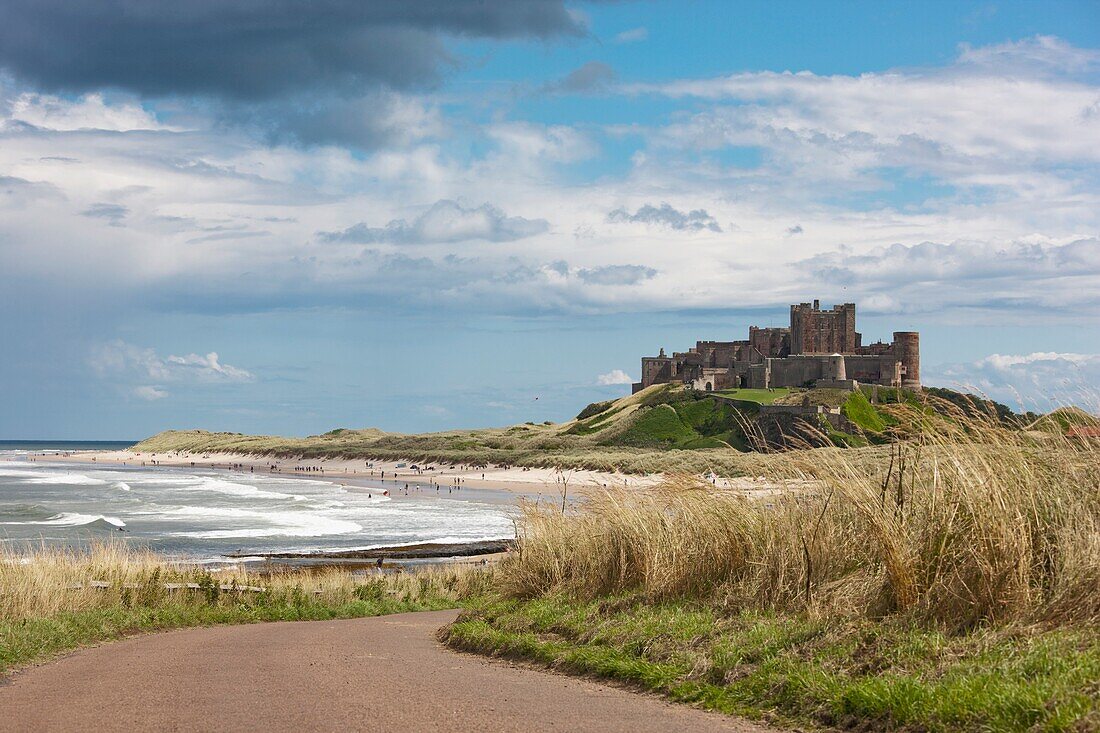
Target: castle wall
pixel 656 369
pixel 759 375
pixel 718 353
pixel 712 380
pixel 769 342
pixel 866 368
pixel 796 371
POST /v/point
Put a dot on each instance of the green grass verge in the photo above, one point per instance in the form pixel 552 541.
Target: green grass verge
pixel 762 396
pixel 28 640
pixel 794 670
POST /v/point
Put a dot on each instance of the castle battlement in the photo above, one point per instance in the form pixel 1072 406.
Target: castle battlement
pixel 821 347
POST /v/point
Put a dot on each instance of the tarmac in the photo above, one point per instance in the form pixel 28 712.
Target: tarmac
pixel 387 673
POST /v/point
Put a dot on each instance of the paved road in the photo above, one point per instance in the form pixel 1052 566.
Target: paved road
pixel 375 674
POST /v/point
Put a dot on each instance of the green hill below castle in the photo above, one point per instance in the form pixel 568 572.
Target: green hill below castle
pixel 660 429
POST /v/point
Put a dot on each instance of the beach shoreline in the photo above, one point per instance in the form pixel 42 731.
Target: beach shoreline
pixel 520 481
pixel 390 473
pixel 400 481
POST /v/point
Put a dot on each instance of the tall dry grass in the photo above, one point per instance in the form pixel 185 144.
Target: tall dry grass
pixel 964 521
pixel 45 582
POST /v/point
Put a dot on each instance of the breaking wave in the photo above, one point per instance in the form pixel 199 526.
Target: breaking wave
pixel 231 488
pixel 280 524
pixel 73 519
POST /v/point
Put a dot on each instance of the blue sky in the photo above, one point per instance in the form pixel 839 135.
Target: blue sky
pixel 427 215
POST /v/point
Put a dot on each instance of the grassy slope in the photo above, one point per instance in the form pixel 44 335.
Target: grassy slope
pixel 798 670
pixel 860 411
pixel 630 435
pixel 689 423
pixel 45 611
pixel 635 434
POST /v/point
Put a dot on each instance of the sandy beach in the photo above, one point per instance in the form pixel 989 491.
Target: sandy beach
pixel 527 481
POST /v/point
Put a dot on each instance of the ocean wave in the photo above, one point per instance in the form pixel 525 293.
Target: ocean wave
pixel 264 524
pixel 231 488
pixel 122 485
pixel 298 525
pixel 41 476
pixel 69 478
pixel 73 519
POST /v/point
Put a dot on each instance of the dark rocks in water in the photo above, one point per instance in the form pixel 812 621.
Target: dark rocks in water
pixel 425 550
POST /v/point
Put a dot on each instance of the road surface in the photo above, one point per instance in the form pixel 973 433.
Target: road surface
pixel 374 674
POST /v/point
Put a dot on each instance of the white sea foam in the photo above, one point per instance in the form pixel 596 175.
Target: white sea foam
pixel 73 519
pixel 202 512
pixel 69 478
pixel 294 523
pixel 231 488
pixel 18 473
pixel 44 476
pixel 283 525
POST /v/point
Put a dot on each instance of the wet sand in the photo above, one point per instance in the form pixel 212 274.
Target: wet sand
pixel 419 551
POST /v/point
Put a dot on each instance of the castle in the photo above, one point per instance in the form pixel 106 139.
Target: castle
pixel 821 348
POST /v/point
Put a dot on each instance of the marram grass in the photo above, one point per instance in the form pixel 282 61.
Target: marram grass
pixel 948 582
pixel 53 600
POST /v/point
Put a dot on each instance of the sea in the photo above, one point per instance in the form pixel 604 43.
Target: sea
pixel 216 516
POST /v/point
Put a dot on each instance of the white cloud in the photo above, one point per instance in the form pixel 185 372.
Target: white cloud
pixel 445 221
pixel 89 112
pixel 1030 55
pixel 215 210
pixel 973 117
pixel 632 35
pixel 1038 381
pixel 149 393
pixel 526 143
pixel 665 215
pixel 121 361
pixel 615 376
pixel 1038 272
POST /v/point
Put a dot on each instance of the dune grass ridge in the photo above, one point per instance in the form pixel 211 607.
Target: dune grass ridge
pixel 948 582
pixel 965 523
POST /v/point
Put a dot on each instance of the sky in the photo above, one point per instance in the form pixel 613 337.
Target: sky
pixel 288 217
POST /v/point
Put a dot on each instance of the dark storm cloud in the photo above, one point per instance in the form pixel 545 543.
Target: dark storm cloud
pixel 249 50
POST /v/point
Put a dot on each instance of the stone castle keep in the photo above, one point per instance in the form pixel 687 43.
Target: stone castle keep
pixel 821 348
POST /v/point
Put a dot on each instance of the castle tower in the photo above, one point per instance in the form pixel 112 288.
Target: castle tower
pixel 816 331
pixel 838 370
pixel 907 351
